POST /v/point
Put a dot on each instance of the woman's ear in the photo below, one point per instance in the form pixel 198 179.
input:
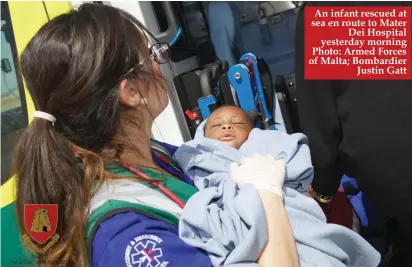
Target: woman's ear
pixel 129 95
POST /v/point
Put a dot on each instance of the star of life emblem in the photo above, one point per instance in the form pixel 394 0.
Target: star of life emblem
pixel 145 251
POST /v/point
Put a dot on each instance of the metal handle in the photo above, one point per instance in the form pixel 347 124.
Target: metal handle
pixel 205 80
pixel 167 36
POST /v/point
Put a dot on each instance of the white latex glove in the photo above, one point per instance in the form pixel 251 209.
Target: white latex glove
pixel 264 172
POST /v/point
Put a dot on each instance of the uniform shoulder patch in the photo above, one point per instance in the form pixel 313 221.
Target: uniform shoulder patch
pixel 145 251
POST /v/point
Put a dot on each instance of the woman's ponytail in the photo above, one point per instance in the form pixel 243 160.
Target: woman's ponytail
pixel 49 172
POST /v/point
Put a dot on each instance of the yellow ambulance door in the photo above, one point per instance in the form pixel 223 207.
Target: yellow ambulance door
pixel 19 22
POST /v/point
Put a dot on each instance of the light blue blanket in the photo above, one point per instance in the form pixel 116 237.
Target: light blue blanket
pixel 229 223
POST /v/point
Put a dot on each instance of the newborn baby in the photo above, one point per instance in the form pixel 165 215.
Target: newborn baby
pixel 224 139
pixel 230 125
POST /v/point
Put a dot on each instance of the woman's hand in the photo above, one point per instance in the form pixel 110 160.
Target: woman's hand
pixel 264 172
pixel 268 176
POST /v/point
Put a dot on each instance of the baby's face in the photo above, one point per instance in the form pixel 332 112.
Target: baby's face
pixel 229 125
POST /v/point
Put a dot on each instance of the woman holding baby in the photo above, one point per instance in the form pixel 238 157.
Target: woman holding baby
pixel 97 89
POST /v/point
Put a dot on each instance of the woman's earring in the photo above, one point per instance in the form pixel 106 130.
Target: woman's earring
pixel 144 101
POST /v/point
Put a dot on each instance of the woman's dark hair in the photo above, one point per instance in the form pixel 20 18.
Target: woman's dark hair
pixel 72 68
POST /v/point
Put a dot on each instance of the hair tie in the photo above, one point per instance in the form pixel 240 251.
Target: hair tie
pixel 45 116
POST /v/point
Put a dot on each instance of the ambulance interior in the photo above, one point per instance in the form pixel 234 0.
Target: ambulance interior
pixel 207 39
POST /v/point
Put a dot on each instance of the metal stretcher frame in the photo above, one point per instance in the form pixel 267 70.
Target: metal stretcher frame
pixel 248 93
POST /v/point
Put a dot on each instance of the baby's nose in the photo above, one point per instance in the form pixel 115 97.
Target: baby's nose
pixel 226 126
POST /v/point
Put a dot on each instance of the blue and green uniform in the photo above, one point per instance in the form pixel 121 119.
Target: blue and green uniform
pixel 134 224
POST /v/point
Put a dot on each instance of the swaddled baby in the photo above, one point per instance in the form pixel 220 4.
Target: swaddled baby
pixel 227 136
pixel 232 126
